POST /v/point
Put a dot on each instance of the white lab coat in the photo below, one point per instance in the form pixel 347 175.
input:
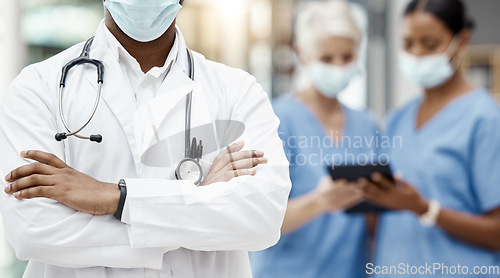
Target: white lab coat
pixel 172 228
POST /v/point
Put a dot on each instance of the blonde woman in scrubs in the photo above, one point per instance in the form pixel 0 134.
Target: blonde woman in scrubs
pixel 320 240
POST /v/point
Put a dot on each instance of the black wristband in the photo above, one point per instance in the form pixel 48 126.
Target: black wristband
pixel 121 202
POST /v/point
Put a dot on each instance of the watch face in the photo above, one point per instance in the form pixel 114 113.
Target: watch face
pixel 190 170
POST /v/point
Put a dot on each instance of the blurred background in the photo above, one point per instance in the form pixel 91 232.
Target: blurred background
pixel 255 35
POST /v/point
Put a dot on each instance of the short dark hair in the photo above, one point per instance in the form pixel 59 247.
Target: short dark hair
pixel 452 13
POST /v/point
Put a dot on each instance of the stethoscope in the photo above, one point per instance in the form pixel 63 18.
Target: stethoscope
pixel 82 59
pixel 188 168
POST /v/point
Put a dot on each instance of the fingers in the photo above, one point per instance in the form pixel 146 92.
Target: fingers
pixel 370 198
pixel 241 155
pixel 233 162
pixel 348 190
pixel 28 170
pixel 346 194
pixel 245 163
pixel 244 155
pixel 238 173
pixel 236 147
pixel 35 180
pixel 354 198
pixel 343 196
pixel 400 182
pixel 227 157
pixel 37 174
pixel 383 182
pixel 34 192
pixel 371 192
pixel 43 157
pixel 341 182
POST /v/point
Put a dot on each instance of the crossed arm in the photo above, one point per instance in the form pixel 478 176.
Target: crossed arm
pixel 50 177
pixel 236 214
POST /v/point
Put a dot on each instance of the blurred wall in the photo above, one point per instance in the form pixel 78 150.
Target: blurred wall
pixel 12 49
pixel 484 55
pixel 485 15
pixel 12 57
pixel 401 90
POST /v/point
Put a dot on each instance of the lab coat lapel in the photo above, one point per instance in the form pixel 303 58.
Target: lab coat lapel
pixel 165 149
pixel 172 94
pixel 172 97
pixel 176 86
pixel 118 97
pixel 116 92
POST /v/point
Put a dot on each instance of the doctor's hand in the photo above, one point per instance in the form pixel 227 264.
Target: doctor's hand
pixel 395 195
pixel 233 162
pixel 50 177
pixel 336 195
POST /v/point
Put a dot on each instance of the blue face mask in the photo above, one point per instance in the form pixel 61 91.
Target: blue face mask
pixel 331 80
pixel 143 20
pixel 429 71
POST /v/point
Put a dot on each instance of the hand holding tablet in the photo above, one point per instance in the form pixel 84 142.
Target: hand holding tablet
pixel 353 173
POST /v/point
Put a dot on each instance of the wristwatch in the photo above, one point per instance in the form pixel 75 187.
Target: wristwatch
pixel 429 218
pixel 123 195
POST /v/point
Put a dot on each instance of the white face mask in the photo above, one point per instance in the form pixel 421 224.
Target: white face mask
pixel 329 79
pixel 428 71
pixel 143 20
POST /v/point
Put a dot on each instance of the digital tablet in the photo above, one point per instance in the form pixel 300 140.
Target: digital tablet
pixel 352 173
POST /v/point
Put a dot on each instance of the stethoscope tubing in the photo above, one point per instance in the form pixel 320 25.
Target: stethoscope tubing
pixel 192 149
pixel 91 116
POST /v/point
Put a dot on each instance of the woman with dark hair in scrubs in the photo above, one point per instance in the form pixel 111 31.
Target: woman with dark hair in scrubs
pixel 446 196
pixel 320 240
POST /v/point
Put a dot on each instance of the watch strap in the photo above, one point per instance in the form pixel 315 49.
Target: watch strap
pixel 429 218
pixel 123 195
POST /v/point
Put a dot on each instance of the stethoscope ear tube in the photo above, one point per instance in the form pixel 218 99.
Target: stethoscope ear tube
pixel 82 59
pixel 61 136
pixel 96 138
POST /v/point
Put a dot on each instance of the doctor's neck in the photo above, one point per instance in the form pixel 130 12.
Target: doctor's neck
pixel 147 54
pixel 454 87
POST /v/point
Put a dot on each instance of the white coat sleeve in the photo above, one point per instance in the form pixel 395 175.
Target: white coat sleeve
pixel 41 229
pixel 245 213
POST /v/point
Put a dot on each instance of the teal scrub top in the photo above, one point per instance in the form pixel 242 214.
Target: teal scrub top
pixel 332 245
pixel 454 159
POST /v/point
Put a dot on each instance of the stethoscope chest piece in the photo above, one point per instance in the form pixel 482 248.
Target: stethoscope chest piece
pixel 190 170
